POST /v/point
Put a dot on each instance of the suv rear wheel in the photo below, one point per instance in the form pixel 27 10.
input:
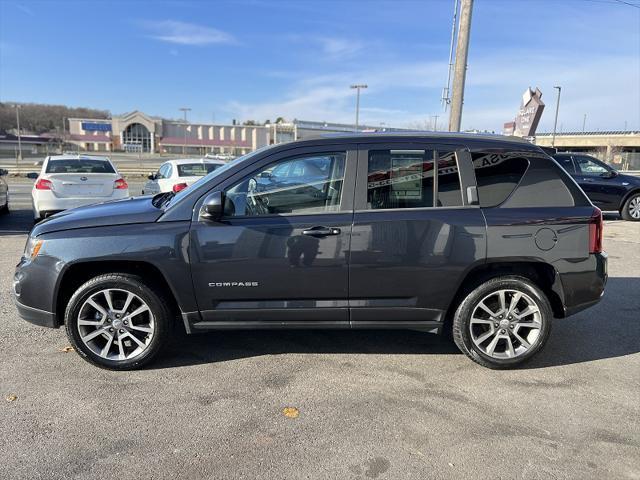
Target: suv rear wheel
pixel 117 321
pixel 631 208
pixel 503 322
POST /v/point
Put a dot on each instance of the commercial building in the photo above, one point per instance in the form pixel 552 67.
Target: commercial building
pixel 138 132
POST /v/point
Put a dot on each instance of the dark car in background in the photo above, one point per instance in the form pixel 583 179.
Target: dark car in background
pixel 482 238
pixel 607 188
pixel 4 192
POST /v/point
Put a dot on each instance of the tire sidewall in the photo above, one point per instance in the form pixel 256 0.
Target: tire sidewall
pixel 134 285
pixel 466 308
pixel 626 209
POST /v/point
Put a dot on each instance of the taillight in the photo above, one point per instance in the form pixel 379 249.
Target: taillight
pixel 596 229
pixel 179 186
pixel 120 184
pixel 43 184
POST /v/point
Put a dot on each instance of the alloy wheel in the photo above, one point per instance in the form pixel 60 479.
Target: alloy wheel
pixel 116 324
pixel 506 324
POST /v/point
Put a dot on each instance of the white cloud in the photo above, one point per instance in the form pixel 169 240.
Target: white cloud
pixel 338 48
pixel 605 87
pixel 183 33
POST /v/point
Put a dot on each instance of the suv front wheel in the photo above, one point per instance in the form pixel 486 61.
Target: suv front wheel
pixel 117 321
pixel 503 322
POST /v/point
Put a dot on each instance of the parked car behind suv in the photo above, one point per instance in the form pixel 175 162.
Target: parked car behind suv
pixel 4 192
pixel 607 188
pixel 176 175
pixel 69 181
pixel 485 238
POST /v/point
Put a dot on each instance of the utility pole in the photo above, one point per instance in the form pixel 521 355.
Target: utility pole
pixel 460 69
pixel 19 158
pixel 184 145
pixel 555 122
pixel 435 122
pixel 358 87
pixel 584 121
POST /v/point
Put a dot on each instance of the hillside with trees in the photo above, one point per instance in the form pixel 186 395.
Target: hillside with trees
pixel 40 118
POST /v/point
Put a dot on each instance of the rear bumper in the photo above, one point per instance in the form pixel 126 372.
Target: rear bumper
pixel 49 203
pixel 583 285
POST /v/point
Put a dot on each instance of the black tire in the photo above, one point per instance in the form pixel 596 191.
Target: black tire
pixel 5 209
pixel 625 213
pixel 122 281
pixel 462 320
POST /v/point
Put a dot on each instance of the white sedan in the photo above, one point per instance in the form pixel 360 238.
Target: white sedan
pixel 70 181
pixel 176 175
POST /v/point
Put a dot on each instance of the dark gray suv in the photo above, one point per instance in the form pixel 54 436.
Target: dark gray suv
pixel 483 238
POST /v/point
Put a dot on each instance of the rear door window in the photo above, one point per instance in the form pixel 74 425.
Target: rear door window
pixel 497 175
pixel 565 162
pixel 407 178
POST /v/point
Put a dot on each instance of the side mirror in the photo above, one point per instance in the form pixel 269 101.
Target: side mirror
pixel 152 176
pixel 265 175
pixel 3 172
pixel 212 206
pixel 32 175
pixel 609 174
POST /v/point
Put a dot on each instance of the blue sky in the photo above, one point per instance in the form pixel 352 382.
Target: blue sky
pixel 259 59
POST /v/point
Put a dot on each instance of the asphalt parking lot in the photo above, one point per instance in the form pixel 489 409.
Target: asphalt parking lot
pixel 384 405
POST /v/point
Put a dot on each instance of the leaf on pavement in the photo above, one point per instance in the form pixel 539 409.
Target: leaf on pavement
pixel 11 398
pixel 291 412
pixel 66 349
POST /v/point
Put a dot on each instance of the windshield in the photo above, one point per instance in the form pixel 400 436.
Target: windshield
pixel 201 181
pixel 72 165
pixel 197 169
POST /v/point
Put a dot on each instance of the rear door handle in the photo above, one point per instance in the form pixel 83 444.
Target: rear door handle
pixel 321 231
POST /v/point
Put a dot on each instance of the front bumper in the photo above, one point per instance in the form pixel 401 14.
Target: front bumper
pixel 33 287
pixel 36 316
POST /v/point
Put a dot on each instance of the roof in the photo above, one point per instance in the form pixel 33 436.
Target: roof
pixel 427 135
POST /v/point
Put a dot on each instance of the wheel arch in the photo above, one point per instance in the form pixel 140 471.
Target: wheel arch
pixel 78 273
pixel 542 274
pixel 627 196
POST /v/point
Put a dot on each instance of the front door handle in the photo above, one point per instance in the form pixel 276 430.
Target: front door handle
pixel 321 231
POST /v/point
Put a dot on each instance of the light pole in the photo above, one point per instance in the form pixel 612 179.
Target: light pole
pixel 555 122
pixel 435 122
pixel 584 121
pixel 460 67
pixel 18 107
pixel 358 87
pixel 184 145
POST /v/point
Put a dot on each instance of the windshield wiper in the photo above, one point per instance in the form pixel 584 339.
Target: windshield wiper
pixel 161 199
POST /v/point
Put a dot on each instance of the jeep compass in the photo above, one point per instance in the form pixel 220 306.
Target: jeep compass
pixel 483 238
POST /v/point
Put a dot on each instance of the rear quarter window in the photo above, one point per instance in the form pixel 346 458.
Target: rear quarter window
pixel 497 175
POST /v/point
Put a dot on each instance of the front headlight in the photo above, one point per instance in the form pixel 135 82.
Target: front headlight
pixel 32 248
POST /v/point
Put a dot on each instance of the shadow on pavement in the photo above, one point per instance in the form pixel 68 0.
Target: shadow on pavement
pixel 231 345
pixel 16 222
pixel 608 330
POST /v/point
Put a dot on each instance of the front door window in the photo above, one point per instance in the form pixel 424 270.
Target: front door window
pixel 300 185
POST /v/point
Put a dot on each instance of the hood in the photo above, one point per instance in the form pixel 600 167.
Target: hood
pixel 117 212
